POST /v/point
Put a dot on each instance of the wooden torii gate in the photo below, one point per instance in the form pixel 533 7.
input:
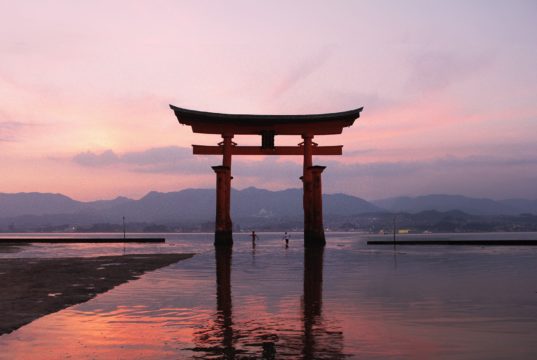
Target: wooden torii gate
pixel 268 126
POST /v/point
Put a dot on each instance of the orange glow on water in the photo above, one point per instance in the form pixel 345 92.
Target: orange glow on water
pixel 350 301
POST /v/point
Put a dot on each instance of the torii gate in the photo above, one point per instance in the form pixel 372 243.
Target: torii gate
pixel 268 126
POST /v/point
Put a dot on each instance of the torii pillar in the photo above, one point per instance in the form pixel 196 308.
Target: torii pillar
pixel 307 126
pixel 223 234
pixel 312 197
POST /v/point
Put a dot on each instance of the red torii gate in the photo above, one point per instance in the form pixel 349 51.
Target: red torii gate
pixel 268 126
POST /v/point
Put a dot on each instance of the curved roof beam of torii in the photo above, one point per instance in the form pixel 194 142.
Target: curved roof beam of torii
pixel 247 124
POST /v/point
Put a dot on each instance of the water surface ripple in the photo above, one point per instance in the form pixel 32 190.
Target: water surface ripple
pixel 346 301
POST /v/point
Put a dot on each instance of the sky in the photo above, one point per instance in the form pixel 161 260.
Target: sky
pixel 449 91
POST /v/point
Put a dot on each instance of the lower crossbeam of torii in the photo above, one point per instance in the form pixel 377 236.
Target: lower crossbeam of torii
pixel 268 126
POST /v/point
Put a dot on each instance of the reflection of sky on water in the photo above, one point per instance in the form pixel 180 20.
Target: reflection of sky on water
pixel 427 302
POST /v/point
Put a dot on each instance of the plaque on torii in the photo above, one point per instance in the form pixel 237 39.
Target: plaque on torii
pixel 268 126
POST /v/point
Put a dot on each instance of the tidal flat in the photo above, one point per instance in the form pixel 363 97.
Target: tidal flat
pixel 34 287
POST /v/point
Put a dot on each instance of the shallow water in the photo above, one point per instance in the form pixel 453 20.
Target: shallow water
pixel 348 301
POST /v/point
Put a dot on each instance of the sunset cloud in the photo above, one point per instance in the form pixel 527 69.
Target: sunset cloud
pixel 12 130
pixel 436 70
pixel 171 160
pixel 445 174
pixel 302 70
pixel 89 158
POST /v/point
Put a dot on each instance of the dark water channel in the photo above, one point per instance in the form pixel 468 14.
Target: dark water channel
pixel 346 301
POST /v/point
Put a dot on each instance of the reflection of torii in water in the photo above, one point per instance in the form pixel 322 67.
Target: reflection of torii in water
pixel 318 341
pixel 218 338
pixel 233 340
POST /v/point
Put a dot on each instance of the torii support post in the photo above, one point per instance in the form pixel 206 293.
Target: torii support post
pixel 223 227
pixel 223 232
pixel 312 197
pixel 307 195
pixel 313 207
pixel 316 236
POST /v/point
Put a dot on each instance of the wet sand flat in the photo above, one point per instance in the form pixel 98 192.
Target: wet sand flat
pixel 6 247
pixel 33 287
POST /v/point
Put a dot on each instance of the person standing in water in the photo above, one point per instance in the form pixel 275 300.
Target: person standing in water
pixel 254 238
pixel 286 239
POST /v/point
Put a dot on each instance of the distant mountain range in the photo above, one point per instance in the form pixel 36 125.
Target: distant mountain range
pixel 185 206
pixel 474 206
pixel 251 205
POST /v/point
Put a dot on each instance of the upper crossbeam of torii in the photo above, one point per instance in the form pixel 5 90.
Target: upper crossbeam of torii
pixel 268 126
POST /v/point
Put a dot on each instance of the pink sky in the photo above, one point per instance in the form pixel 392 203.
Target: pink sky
pixel 449 91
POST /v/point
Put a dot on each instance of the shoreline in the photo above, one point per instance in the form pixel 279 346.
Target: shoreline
pixel 76 240
pixel 33 287
pixel 499 242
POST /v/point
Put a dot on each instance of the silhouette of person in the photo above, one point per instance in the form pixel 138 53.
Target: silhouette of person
pixel 286 239
pixel 254 238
